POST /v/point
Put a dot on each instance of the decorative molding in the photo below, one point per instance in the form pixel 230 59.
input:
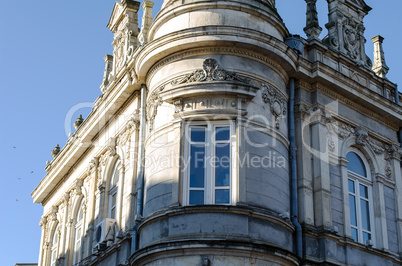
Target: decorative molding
pixel 362 136
pixel 111 147
pixel 276 100
pixel 43 222
pixel 352 37
pixel 93 165
pixel 211 72
pixel 276 67
pixel 342 130
pixel 53 213
pixel 356 107
pixel 78 187
pixel 154 101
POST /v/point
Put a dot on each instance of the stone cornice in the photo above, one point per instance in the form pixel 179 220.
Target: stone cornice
pixel 220 50
pixel 76 148
pixel 366 111
pixel 225 36
pixel 268 14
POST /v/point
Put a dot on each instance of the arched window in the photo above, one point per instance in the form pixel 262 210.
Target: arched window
pixel 55 242
pixel 360 199
pixel 113 189
pixel 78 234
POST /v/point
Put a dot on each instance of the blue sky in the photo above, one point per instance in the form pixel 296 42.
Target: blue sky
pixel 52 60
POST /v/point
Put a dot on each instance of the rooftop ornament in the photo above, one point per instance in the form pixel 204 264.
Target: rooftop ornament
pixel 55 151
pixel 78 122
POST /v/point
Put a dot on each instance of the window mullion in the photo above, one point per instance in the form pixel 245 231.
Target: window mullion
pixel 210 170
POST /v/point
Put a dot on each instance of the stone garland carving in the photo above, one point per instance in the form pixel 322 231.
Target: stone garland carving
pixel 211 72
pixel 152 105
pixel 362 138
pixel 276 100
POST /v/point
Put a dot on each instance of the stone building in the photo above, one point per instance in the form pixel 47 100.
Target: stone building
pixel 222 139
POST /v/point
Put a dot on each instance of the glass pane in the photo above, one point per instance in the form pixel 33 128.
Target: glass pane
pixel 80 214
pixel 354 234
pixel 197 166
pixel 113 213
pixel 366 236
pixel 351 186
pixel 55 236
pixel 222 165
pixel 196 197
pixel 53 259
pixel 365 214
pixel 222 196
pixel 115 178
pixel 363 191
pixel 114 199
pixel 355 164
pixel 198 134
pixel 222 133
pixel 352 206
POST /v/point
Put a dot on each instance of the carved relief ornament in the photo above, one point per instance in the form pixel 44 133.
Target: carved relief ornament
pixel 211 72
pixel 154 101
pixel 276 101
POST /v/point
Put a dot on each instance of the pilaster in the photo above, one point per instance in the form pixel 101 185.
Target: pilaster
pixel 304 164
pixel 380 216
pixel 43 225
pixel 321 177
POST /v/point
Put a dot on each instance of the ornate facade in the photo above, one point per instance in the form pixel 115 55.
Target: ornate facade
pixel 222 139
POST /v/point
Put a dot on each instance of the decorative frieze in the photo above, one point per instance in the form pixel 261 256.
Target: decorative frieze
pixel 211 72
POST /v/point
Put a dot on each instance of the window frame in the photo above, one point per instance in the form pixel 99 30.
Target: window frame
pixel 367 182
pixel 79 227
pixel 54 247
pixel 113 191
pixel 210 150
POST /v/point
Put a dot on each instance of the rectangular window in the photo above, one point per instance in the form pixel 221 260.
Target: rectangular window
pixel 359 206
pixel 208 173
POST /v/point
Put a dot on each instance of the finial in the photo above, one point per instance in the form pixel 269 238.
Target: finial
pixel 312 28
pixel 78 122
pixel 379 65
pixel 55 151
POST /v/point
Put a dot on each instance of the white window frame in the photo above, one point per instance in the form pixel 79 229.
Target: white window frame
pixel 367 182
pixel 113 190
pixel 78 235
pixel 210 144
pixel 54 248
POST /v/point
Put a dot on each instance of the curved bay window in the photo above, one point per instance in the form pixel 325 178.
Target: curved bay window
pixel 360 199
pixel 78 234
pixel 55 242
pixel 208 168
pixel 113 191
